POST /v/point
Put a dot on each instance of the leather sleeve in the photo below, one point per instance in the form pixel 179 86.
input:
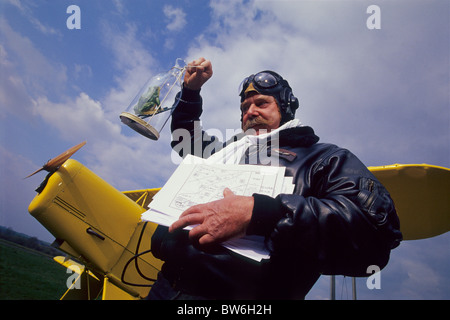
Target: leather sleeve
pixel 187 133
pixel 346 223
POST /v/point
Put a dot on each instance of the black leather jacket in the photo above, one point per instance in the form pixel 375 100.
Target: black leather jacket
pixel 340 220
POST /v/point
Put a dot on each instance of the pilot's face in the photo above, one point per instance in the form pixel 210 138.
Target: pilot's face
pixel 260 112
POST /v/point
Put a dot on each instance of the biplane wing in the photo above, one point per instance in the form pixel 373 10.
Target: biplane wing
pixel 421 195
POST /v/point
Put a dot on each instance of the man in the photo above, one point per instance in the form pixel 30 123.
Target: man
pixel 339 219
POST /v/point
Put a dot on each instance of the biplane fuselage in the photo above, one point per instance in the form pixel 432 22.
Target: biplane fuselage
pixel 100 227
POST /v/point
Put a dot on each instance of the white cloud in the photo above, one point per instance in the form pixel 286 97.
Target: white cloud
pixel 13 92
pixel 120 7
pixel 176 18
pixel 28 14
pixel 81 70
pixel 37 73
pixel 133 63
pixel 418 269
pixel 82 116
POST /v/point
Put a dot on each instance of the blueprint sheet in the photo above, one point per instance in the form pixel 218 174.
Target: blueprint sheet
pixel 196 182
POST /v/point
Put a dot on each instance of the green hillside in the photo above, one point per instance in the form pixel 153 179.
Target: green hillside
pixel 27 274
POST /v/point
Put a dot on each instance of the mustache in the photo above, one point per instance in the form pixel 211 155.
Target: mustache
pixel 253 122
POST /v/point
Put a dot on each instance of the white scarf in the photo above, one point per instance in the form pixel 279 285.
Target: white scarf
pixel 233 152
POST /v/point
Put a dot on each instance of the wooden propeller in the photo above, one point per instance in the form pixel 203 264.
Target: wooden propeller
pixel 55 163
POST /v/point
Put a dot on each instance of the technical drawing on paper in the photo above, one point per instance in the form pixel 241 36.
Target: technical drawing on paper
pixel 206 184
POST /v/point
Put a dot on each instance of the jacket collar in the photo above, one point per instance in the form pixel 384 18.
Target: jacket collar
pixel 302 136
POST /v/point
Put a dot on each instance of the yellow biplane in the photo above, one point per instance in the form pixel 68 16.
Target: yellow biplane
pixel 100 228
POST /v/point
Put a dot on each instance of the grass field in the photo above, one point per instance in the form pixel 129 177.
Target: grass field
pixel 29 275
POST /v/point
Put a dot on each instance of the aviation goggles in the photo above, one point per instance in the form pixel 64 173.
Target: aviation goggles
pixel 265 82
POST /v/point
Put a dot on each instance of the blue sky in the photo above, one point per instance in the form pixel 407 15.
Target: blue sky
pixel 382 93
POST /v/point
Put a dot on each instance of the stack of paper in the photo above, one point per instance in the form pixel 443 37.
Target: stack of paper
pixel 196 182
